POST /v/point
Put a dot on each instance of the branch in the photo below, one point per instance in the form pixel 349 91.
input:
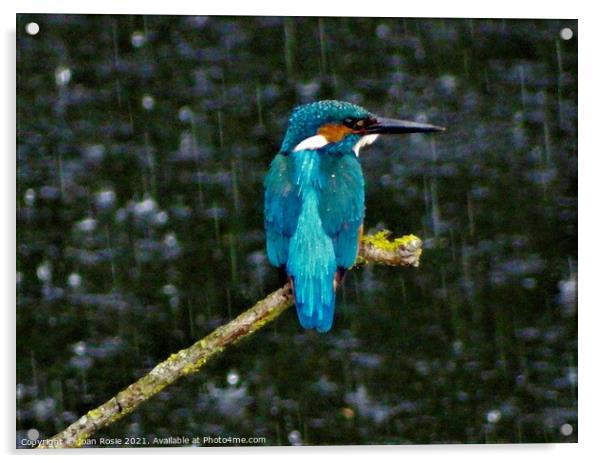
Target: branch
pixel 377 249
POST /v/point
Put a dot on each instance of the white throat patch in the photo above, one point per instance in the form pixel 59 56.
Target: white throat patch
pixel 312 143
pixel 365 140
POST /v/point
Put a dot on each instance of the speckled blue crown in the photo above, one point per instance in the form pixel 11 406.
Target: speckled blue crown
pixel 306 119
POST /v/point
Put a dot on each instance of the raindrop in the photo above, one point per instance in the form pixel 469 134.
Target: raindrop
pixel 422 367
pixel 148 102
pixel 62 76
pixel 145 207
pixel 566 34
pixel 170 240
pixel 21 391
pixel 32 28
pixel 138 39
pixel 568 294
pixel 44 408
pixel 44 272
pixel 94 153
pixel 105 199
pixel 185 114
pixel 382 31
pixel 87 225
pixel 347 412
pixel 49 192
pixel 199 21
pixel 571 376
pixel 458 347
pixel 308 91
pixel 121 215
pixel 74 280
pixel 448 83
pixel 216 212
pixel 494 416
pixel 294 437
pixel 233 378
pixel 30 197
pixel 160 218
pixel 170 290
pixel 79 348
pixel 566 429
pixel 257 258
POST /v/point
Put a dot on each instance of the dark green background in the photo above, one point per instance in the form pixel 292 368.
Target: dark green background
pixel 142 145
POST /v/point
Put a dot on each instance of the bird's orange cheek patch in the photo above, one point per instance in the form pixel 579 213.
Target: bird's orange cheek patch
pixel 334 133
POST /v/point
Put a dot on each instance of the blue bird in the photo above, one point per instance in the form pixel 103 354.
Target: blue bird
pixel 314 200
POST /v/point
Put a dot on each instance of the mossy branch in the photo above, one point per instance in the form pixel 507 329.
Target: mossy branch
pixel 377 249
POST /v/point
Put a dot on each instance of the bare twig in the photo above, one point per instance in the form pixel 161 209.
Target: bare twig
pixel 375 248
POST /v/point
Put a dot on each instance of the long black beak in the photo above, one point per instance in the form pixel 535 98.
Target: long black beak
pixel 385 126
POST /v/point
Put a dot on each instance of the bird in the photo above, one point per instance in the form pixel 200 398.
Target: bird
pixel 314 200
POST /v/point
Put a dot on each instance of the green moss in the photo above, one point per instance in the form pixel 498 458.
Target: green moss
pixel 94 414
pixel 381 240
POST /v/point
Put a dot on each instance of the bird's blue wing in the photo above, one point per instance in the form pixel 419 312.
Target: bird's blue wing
pixel 342 205
pixel 282 207
pixel 311 262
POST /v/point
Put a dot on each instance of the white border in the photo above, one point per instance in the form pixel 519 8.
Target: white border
pixel 590 153
pixel 431 8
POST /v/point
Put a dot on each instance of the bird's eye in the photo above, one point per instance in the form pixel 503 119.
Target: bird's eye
pixel 349 122
pixel 354 123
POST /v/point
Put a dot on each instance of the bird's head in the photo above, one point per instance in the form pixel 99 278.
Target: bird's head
pixel 340 124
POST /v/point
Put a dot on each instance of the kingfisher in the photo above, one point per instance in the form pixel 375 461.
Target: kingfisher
pixel 314 200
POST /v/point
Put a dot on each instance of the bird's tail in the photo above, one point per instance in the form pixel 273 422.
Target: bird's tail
pixel 312 267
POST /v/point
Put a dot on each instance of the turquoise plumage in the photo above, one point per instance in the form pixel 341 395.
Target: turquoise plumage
pixel 314 208
pixel 314 200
